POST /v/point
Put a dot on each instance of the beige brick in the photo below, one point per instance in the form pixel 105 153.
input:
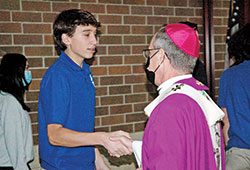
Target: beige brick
pixel 93 8
pixel 111 80
pixel 119 90
pixel 136 117
pixel 127 128
pixel 109 60
pixel 58 7
pixel 111 120
pixel 100 111
pixel 134 98
pixel 133 2
pixel 139 10
pixel 38 73
pixel 28 39
pixel 27 16
pixel 10 4
pixel 38 51
pixel 4 16
pixel 10 27
pixel 119 70
pixel 134 20
pixel 121 109
pixel 158 2
pixel 111 100
pixel 36 6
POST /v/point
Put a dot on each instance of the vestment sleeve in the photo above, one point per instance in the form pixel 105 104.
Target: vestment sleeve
pixel 54 97
pixel 13 124
pixel 168 143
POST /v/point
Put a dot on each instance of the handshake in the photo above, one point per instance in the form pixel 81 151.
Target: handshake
pixel 118 143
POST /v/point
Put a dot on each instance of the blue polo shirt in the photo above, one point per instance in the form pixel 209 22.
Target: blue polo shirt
pixel 234 95
pixel 67 97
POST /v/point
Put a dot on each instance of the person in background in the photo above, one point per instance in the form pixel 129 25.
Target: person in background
pixel 16 145
pixel 183 130
pixel 66 109
pixel 234 100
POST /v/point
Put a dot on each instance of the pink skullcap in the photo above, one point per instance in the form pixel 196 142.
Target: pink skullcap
pixel 185 38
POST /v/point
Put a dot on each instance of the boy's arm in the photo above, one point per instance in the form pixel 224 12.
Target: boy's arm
pixel 60 136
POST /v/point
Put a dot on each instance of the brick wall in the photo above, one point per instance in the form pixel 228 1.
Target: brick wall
pixel 220 21
pixel 127 26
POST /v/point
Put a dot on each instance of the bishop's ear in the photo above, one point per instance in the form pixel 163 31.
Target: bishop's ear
pixel 162 53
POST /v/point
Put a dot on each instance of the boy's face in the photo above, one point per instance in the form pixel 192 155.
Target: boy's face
pixel 82 45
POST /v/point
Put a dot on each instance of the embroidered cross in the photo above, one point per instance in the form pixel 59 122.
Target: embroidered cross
pixel 199 83
pixel 177 87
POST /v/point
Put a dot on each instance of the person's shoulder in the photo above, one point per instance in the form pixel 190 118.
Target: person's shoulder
pixel 227 72
pixel 55 74
pixel 55 70
pixel 9 101
pixel 8 98
pixel 178 98
pixel 178 102
pixel 176 108
pixel 231 72
pixel 56 66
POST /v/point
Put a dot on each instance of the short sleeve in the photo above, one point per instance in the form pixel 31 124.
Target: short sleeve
pixel 54 98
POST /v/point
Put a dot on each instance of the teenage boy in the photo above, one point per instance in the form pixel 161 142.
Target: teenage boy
pixel 67 101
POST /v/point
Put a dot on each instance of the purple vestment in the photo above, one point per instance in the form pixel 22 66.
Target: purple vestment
pixel 177 136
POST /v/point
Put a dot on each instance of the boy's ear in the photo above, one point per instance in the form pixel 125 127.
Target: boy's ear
pixel 66 39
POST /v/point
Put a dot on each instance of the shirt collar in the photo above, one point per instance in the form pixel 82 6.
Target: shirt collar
pixel 246 62
pixel 168 84
pixel 67 60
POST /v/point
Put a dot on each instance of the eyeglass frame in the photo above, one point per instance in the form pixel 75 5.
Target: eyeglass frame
pixel 150 57
pixel 145 50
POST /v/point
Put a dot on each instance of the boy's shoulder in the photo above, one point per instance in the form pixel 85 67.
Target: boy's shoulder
pixel 57 67
pixel 56 70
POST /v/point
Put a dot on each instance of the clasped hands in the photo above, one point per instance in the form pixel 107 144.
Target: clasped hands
pixel 118 143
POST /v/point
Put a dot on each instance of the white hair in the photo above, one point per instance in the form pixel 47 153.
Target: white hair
pixel 179 60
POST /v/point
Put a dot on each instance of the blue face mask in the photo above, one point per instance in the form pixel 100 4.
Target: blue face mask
pixel 28 77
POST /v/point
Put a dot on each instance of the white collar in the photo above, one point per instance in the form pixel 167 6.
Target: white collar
pixel 168 84
pixel 164 90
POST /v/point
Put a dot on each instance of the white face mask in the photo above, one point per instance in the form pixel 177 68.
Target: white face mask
pixel 28 77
